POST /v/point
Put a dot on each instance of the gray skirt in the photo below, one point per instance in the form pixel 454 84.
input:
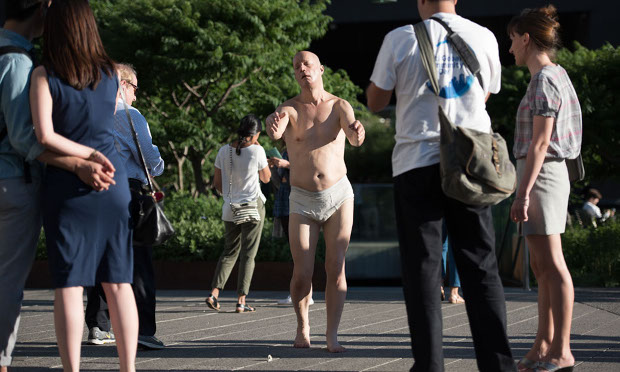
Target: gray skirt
pixel 548 198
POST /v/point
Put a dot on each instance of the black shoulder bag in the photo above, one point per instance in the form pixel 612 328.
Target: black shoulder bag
pixel 150 225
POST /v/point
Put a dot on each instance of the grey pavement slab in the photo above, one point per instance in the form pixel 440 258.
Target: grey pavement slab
pixel 373 329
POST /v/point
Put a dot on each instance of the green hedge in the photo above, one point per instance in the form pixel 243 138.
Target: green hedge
pixel 200 233
pixel 593 255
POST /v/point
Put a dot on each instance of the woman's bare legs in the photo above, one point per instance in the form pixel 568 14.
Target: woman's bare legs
pixel 124 317
pixel 69 325
pixel 555 300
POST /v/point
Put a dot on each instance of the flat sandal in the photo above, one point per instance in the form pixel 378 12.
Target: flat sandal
pixel 243 308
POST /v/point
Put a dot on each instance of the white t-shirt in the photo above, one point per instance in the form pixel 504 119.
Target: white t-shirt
pixel 399 67
pixel 245 181
pixel 592 209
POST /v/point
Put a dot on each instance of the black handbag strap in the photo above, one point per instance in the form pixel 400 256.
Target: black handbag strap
pixel 463 50
pixel 135 139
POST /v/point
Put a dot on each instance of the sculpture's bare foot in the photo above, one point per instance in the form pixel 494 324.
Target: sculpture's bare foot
pixel 302 340
pixel 335 347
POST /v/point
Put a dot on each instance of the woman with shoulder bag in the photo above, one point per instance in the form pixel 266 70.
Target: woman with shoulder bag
pixel 547 134
pixel 238 168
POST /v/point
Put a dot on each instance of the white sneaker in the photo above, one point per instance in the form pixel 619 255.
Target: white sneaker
pixel 286 301
pixel 289 301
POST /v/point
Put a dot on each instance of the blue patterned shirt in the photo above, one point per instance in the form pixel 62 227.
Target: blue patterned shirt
pixel 20 141
pixel 126 146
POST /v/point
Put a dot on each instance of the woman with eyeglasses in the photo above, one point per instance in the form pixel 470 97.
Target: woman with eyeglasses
pixel 73 100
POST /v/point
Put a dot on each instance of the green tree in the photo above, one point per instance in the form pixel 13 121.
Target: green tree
pixel 203 65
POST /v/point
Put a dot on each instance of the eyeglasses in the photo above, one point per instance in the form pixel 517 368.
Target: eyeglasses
pixel 135 87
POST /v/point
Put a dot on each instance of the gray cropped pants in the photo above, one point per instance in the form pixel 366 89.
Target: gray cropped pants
pixel 241 241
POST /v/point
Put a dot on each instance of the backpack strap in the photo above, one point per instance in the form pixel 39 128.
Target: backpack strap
pixel 463 50
pixel 3 133
pixel 427 55
pixel 7 50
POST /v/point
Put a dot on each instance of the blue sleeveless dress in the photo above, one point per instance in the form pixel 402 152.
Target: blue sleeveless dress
pixel 87 233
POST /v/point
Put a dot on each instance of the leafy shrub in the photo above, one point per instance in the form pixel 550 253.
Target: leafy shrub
pixel 198 225
pixel 593 255
pixel 200 232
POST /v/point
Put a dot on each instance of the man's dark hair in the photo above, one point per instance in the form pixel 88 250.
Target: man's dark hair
pixel 593 193
pixel 21 10
pixel 250 125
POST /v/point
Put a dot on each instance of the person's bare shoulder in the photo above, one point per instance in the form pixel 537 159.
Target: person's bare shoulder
pixel 39 72
pixel 290 107
pixel 343 105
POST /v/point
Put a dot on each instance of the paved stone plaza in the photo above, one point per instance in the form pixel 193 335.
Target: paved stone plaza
pixel 373 328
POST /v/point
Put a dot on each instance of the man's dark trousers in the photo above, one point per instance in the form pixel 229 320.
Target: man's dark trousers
pixel 143 288
pixel 143 277
pixel 420 208
pixel 97 314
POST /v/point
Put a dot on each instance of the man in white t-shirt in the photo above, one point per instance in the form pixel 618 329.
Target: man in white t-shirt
pixel 420 203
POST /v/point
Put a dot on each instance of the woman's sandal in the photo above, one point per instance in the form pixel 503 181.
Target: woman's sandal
pixel 243 308
pixel 550 367
pixel 212 303
pixel 443 294
pixel 527 364
pixel 456 299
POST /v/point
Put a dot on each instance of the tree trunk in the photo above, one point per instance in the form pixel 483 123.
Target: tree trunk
pixel 196 161
pixel 180 158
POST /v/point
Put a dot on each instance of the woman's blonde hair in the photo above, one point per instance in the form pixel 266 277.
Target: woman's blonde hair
pixel 127 71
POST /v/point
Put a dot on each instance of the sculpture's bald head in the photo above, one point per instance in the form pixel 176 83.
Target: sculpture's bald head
pixel 308 69
pixel 304 54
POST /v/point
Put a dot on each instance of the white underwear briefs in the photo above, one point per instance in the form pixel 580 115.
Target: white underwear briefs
pixel 320 205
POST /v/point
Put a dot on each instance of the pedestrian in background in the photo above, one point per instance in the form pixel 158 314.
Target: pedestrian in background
pixel 238 168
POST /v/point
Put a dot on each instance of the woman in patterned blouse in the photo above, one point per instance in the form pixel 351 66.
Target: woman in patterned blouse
pixel 548 131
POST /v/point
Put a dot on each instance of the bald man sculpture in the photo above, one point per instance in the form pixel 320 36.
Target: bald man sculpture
pixel 314 125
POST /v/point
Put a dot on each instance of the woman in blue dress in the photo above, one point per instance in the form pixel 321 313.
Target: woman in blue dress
pixel 73 100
